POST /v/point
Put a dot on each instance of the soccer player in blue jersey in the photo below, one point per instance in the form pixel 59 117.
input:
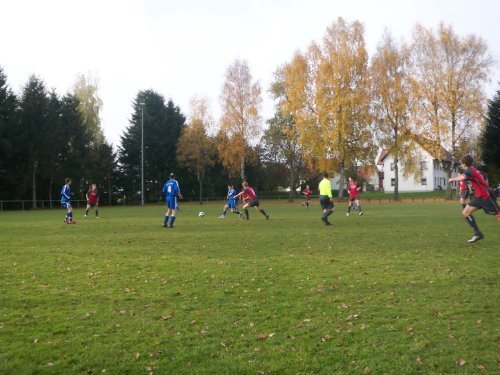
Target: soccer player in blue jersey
pixel 171 190
pixel 66 201
pixel 231 201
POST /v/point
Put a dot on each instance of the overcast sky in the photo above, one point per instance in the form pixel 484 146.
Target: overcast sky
pixel 181 48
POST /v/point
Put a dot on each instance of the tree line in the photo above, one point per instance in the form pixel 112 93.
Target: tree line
pixel 334 108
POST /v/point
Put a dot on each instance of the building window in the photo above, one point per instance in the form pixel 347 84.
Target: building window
pixel 423 165
pixel 393 182
pixel 393 166
pixel 424 181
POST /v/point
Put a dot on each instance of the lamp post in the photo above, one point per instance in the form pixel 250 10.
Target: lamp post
pixel 142 152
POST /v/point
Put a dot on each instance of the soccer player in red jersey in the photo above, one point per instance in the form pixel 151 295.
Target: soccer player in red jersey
pixel 353 190
pixel 307 195
pixel 92 201
pixel 463 192
pixel 250 199
pixel 482 198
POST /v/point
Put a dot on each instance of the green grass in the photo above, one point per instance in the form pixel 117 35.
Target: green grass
pixel 396 291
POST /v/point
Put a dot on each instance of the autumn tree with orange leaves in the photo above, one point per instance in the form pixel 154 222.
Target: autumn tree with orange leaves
pixel 195 148
pixel 328 94
pixel 392 104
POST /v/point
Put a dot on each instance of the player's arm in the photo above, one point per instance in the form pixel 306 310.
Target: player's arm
pixel 460 177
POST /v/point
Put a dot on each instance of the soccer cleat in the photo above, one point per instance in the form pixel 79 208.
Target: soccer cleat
pixel 327 222
pixel 361 213
pixel 347 214
pixel 85 216
pixel 476 238
pixel 97 217
pixel 221 217
pixel 164 226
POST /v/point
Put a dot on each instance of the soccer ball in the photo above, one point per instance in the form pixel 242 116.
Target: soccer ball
pixel 201 214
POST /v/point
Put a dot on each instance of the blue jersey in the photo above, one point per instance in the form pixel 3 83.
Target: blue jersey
pixel 171 188
pixel 232 202
pixel 66 194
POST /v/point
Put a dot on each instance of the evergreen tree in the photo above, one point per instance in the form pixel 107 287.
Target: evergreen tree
pixel 8 118
pixel 490 140
pixel 163 123
pixel 34 127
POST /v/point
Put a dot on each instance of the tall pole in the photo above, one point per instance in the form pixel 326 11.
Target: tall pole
pixel 142 153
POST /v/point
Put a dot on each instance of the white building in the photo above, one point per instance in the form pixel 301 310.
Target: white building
pixel 431 175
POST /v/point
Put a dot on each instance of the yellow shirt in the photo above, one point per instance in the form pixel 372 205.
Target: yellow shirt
pixel 325 187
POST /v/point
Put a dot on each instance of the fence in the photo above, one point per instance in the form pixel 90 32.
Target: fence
pixel 23 205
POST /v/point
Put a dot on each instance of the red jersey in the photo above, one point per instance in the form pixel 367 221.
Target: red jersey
pixel 352 188
pixel 307 192
pixel 92 196
pixel 477 180
pixel 249 194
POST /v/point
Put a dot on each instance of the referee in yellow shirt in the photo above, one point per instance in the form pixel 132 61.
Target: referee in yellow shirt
pixel 326 198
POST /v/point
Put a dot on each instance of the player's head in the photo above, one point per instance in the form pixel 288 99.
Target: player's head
pixel 93 186
pixel 325 174
pixel 172 175
pixel 67 181
pixel 230 186
pixel 244 184
pixel 466 160
pixel 350 179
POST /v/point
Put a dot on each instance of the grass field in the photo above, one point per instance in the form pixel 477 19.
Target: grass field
pixel 396 291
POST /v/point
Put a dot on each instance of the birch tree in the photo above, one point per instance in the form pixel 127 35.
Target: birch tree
pixel 240 123
pixel 195 149
pixel 391 100
pixel 449 73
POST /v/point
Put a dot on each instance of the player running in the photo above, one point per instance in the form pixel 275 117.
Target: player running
pixel 171 191
pixel 231 202
pixel 481 200
pixel 66 201
pixel 307 196
pixel 92 201
pixel 250 199
pixel 353 190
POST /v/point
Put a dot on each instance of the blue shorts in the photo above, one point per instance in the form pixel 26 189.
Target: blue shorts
pixel 172 202
pixel 66 204
pixel 231 203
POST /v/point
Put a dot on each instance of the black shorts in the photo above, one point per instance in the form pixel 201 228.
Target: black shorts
pixel 254 203
pixel 354 199
pixel 325 202
pixel 92 204
pixel 488 205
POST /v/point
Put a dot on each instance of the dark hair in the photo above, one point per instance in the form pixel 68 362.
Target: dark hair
pixel 325 174
pixel 467 160
pixel 67 180
pixel 172 175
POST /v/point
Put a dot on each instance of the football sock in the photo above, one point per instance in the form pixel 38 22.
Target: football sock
pixel 359 208
pixel 328 213
pixel 96 212
pixel 349 209
pixel 165 220
pixel 236 211
pixel 224 213
pixel 464 204
pixel 172 219
pixel 263 212
pixel 472 222
pixel 86 212
pixel 247 214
